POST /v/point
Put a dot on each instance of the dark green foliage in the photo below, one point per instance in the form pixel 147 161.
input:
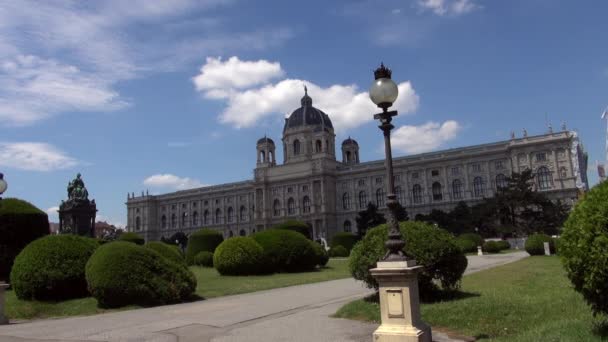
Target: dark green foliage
pixel 431 247
pixel 202 240
pixel 131 237
pixel 52 268
pixel 466 245
pixel 296 226
pixel 583 247
pixel 346 240
pixel 436 216
pixel 369 218
pixel 204 258
pixel 491 247
pixel 240 256
pixel 20 224
pixel 122 273
pixel 338 251
pixel 401 213
pixel 321 255
pixel 178 239
pixel 286 251
pixel 535 244
pixel 171 252
pixel 503 245
pixel 476 238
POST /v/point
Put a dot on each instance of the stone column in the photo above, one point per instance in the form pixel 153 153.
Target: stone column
pixel 399 303
pixel 3 318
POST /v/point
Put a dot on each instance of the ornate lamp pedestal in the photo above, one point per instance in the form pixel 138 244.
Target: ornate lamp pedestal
pixel 399 304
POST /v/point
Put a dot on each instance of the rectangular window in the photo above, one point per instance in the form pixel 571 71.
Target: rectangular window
pixel 476 167
pixel 361 182
pixel 415 175
pixel 378 180
pixel 289 190
pixel 541 157
pixel 397 179
pixel 455 171
pixel 305 188
pixel 435 173
pixel 498 165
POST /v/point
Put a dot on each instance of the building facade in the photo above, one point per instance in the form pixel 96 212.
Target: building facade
pixel 314 187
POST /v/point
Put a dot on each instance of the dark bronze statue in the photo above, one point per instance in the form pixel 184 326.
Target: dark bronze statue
pixel 77 214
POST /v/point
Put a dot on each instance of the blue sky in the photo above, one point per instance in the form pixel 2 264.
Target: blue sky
pixel 169 95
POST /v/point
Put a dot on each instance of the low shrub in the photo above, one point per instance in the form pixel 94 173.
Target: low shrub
pixel 171 252
pixel 344 239
pixel 476 238
pixel 131 237
pixel 202 240
pixel 286 251
pixel 53 268
pixel 321 255
pixel 466 245
pixel 239 256
pixel 504 245
pixel 535 244
pixel 296 226
pixel 432 247
pixel 491 247
pixel 338 252
pixel 204 259
pixel 122 273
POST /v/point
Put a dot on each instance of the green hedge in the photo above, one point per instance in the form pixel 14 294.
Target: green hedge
pixel 491 247
pixel 239 256
pixel 476 238
pixel 52 268
pixel 338 252
pixel 466 245
pixel 535 244
pixel 204 259
pixel 131 237
pixel 20 224
pixel 432 247
pixel 344 239
pixel 504 245
pixel 171 252
pixel 286 251
pixel 202 240
pixel 122 273
pixel 296 226
pixel 321 255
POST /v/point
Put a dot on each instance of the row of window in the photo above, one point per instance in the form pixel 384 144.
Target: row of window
pixel 205 203
pixel 291 206
pixel 318 146
pixel 193 220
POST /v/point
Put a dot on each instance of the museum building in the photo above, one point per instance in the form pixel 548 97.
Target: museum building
pixel 314 187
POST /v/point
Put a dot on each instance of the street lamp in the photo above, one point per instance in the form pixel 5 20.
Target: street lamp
pixel 383 92
pixel 3 185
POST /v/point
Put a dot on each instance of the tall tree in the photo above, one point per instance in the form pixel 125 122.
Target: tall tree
pixel 369 218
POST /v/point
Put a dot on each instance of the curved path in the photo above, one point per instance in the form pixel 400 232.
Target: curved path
pixel 297 313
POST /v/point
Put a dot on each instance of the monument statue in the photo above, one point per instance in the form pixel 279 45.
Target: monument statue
pixel 77 214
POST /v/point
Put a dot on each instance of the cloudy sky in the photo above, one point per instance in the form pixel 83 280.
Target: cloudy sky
pixel 166 95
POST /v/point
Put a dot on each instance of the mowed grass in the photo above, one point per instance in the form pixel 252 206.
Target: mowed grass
pixel 210 284
pixel 529 300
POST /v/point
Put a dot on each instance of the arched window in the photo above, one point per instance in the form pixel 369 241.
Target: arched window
pixel 230 214
pixel 348 157
pixel 437 193
pixel 478 189
pixel 457 189
pixel 380 198
pixel 543 177
pixel 306 205
pixel 276 208
pixel 291 206
pixel 242 232
pixel 362 200
pixel 206 217
pixel 163 222
pixel 347 226
pixel 346 201
pixel 318 146
pixel 184 219
pixel 173 221
pixel 563 173
pixel 263 157
pixel 270 156
pixel 195 219
pixel 417 193
pixel 137 223
pixel 296 147
pixel 399 195
pixel 243 213
pixel 501 181
pixel 218 216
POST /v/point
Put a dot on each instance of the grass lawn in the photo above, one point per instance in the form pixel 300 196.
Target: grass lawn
pixel 529 300
pixel 210 284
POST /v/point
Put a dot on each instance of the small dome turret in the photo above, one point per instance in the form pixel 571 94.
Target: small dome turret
pixel 265 152
pixel 350 141
pixel 350 151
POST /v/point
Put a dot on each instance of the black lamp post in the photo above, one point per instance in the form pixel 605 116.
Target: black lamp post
pixel 383 92
pixel 3 185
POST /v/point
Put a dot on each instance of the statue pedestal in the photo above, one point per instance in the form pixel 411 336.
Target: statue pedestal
pixel 77 217
pixel 399 303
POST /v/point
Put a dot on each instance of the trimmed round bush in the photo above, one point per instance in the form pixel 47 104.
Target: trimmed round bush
pixel 131 237
pixel 53 268
pixel 466 245
pixel 296 226
pixel 20 224
pixel 344 239
pixel 476 238
pixel 321 255
pixel 583 247
pixel 202 240
pixel 240 255
pixel 504 245
pixel 122 273
pixel 432 247
pixel 171 252
pixel 338 252
pixel 535 244
pixel 204 258
pixel 491 247
pixel 286 251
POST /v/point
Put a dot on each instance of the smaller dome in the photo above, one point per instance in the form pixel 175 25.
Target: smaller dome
pixel 350 141
pixel 265 140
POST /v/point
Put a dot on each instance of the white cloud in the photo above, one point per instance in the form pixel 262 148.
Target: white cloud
pixel 235 74
pixel 52 214
pixel 168 180
pixel 424 138
pixel 346 105
pixel 448 7
pixel 33 156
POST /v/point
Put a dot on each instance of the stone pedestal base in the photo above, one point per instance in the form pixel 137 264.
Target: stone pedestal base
pixel 3 319
pixel 399 303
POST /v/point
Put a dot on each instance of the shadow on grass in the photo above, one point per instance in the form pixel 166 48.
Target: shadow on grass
pixel 600 326
pixel 438 296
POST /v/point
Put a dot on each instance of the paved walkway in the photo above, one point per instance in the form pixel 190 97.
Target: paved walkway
pixel 297 313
